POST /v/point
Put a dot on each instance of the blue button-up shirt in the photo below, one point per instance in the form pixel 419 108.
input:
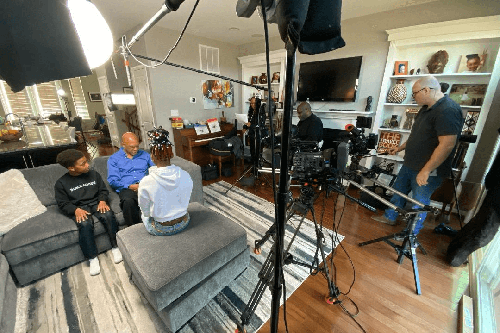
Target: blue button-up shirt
pixel 124 171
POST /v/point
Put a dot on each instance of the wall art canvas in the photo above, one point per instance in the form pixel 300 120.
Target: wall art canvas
pixel 468 94
pixel 217 94
pixel 388 140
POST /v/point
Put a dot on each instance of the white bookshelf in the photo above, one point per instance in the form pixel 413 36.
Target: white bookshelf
pixel 417 44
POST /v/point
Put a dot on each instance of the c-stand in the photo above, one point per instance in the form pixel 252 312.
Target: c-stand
pixel 410 242
pixel 257 159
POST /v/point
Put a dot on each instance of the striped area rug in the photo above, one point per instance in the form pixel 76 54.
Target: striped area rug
pixel 73 301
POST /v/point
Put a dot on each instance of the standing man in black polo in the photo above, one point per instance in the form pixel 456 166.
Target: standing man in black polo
pixel 429 148
pixel 310 126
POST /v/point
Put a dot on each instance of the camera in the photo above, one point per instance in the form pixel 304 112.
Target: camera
pixel 308 161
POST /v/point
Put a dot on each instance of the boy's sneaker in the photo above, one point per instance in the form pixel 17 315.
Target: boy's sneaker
pixel 117 255
pixel 95 269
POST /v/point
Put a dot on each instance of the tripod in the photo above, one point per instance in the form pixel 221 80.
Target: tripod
pixel 409 246
pixel 257 159
pixel 302 205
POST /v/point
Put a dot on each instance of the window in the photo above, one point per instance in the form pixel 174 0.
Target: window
pixel 209 59
pixel 48 100
pixel 79 98
pixel 18 103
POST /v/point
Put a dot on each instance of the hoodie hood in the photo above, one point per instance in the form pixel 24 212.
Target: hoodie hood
pixel 167 177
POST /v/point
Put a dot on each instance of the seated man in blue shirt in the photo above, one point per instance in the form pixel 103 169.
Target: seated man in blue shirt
pixel 126 168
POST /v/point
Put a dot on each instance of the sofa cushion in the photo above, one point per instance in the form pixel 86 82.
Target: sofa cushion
pixel 194 171
pixel 169 266
pixel 42 234
pixel 42 180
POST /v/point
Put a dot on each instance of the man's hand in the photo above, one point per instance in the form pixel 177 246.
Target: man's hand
pixel 102 207
pixel 134 187
pixel 81 215
pixel 393 151
pixel 422 177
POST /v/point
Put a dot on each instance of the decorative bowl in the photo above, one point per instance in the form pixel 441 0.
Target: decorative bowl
pixel 10 135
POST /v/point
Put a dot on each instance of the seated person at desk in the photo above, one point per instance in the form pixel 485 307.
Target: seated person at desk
pixel 310 127
pixel 164 194
pixel 81 193
pixel 126 168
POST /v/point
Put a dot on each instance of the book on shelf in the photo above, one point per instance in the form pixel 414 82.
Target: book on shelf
pixel 387 141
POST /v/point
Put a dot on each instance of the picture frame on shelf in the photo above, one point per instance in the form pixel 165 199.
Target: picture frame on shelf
pixel 468 94
pixel 408 118
pixel 401 68
pixel 254 80
pixel 470 122
pixel 276 77
pixel 473 63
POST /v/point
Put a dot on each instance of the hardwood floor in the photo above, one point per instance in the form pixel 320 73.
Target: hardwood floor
pixel 383 291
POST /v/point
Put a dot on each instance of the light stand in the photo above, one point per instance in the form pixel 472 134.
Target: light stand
pixel 410 242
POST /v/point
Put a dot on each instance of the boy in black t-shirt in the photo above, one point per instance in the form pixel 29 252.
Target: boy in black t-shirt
pixel 81 193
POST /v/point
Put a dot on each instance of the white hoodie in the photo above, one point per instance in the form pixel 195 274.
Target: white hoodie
pixel 164 194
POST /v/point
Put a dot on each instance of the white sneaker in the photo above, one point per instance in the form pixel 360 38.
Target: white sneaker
pixel 117 255
pixel 95 269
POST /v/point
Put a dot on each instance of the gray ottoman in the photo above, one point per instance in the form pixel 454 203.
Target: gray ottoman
pixel 180 274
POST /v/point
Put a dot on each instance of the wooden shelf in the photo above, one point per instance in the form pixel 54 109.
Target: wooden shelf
pixel 440 75
pixel 400 104
pixel 265 84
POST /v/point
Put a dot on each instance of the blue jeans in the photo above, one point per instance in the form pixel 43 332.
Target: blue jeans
pixel 157 229
pixel 406 182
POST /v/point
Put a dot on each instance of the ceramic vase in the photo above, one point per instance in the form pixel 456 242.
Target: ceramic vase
pixel 397 94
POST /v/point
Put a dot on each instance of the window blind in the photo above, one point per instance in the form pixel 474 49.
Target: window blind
pixel 48 99
pixel 79 98
pixel 18 103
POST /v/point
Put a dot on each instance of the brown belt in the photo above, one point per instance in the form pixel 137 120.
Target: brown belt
pixel 174 221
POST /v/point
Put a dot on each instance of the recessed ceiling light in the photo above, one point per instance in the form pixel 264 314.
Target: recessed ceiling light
pixel 257 35
pixel 234 29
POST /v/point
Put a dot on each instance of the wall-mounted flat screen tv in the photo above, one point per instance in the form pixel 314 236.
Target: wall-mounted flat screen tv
pixel 333 80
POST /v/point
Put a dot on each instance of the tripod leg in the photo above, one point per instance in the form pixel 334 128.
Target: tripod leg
pixel 413 251
pixel 381 239
pixel 243 175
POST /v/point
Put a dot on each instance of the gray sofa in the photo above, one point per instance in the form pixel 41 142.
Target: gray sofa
pixel 47 243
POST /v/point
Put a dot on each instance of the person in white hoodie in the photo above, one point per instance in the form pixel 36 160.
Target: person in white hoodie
pixel 164 194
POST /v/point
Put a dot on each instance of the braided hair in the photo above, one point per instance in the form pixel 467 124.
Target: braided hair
pixel 159 143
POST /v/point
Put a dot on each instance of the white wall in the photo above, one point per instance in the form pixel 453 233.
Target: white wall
pixel 172 87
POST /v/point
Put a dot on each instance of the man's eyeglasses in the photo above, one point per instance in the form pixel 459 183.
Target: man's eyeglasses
pixel 413 94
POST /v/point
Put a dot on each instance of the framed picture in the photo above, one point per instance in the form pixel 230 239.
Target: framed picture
pixel 128 90
pixel 468 94
pixel 254 80
pixel 472 63
pixel 95 97
pixel 401 68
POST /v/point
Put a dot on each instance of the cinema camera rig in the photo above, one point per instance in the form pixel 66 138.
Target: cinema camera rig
pixel 318 171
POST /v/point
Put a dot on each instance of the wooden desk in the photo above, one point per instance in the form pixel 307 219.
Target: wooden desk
pixel 193 147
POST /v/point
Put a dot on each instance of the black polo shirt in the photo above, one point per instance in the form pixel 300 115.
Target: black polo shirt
pixel 443 118
pixel 310 129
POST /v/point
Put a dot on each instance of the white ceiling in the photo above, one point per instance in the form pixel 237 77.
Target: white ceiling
pixel 214 18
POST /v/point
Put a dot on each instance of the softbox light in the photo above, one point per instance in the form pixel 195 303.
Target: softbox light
pixel 38 43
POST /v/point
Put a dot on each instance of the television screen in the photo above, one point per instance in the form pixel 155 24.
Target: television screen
pixel 333 80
